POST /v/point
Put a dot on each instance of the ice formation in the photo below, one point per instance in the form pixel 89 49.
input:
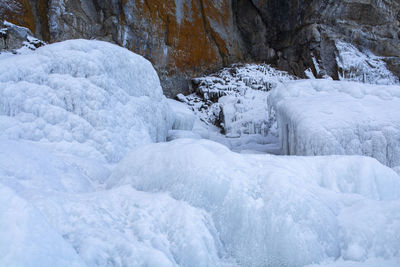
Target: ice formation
pixel 90 96
pixel 69 112
pixel 322 117
pixel 277 211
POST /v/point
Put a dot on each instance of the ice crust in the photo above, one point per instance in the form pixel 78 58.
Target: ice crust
pixel 277 211
pixel 322 117
pixel 89 96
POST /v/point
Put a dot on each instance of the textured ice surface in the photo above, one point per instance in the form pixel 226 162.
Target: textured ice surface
pixel 26 238
pixel 124 227
pixel 322 117
pixel 91 97
pixel 71 219
pixel 277 211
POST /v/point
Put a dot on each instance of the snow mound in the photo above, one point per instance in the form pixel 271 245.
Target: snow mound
pixel 91 97
pixel 322 117
pixel 277 211
pixel 26 237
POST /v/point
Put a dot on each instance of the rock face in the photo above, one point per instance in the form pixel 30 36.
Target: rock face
pixel 13 37
pixel 186 38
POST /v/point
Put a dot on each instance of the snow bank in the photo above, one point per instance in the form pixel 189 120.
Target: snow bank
pixel 322 117
pixel 91 97
pixel 236 98
pixel 277 211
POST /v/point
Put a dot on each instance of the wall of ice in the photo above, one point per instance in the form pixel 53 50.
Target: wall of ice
pixel 91 97
pixel 322 117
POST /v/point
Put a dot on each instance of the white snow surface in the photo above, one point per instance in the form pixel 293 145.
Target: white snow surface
pixel 91 97
pixel 277 211
pixel 323 117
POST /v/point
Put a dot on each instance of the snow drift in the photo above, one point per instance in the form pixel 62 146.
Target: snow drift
pixel 322 117
pixel 91 97
pixel 277 211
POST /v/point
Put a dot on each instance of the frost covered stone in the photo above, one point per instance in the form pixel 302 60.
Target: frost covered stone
pixel 364 66
pixel 91 97
pixel 322 117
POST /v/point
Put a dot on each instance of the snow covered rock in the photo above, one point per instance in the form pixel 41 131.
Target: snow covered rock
pixel 90 97
pixel 13 37
pixel 365 67
pixel 234 102
pixel 322 117
pixel 277 211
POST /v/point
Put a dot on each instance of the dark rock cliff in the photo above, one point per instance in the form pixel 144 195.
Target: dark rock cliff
pixel 187 38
